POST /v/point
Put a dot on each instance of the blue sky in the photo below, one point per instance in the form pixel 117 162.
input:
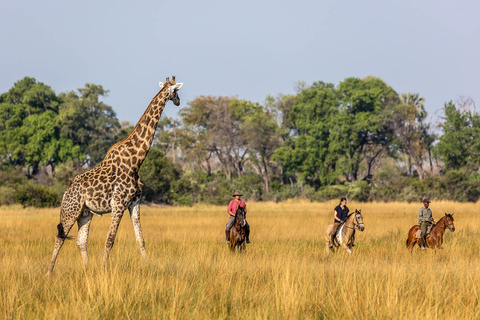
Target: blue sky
pixel 247 49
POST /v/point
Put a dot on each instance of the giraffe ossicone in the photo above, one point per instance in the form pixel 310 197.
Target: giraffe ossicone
pixel 113 186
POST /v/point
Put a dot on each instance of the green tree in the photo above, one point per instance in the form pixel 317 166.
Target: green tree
pixel 29 134
pixel 359 131
pixel 212 127
pixel 263 135
pixel 459 144
pixel 304 156
pixel 88 122
pixel 169 137
pixel 413 134
pixel 158 174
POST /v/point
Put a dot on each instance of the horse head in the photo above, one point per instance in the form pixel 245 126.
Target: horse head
pixel 358 220
pixel 240 217
pixel 449 221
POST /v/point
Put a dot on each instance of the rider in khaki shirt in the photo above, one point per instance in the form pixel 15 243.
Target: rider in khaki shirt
pixel 425 220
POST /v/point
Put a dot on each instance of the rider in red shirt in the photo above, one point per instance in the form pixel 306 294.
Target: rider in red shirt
pixel 231 209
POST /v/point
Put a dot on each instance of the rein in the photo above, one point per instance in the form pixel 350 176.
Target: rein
pixel 355 225
pixel 445 223
pixel 354 228
pixel 446 226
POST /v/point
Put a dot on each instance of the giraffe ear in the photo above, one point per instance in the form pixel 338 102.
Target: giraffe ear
pixel 160 84
pixel 178 86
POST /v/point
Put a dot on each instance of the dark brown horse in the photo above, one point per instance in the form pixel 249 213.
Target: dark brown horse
pixel 435 239
pixel 237 233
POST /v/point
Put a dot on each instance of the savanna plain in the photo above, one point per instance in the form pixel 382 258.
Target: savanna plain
pixel 285 273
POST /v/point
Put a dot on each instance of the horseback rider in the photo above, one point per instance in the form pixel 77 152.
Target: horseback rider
pixel 341 213
pixel 232 209
pixel 425 220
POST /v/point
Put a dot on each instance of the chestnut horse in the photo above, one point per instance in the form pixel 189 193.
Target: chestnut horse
pixel 345 233
pixel 435 239
pixel 237 233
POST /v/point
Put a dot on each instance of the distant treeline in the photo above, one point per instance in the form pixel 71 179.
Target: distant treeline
pixel 359 139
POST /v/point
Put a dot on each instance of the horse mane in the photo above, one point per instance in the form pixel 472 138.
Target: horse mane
pixel 350 214
pixel 444 218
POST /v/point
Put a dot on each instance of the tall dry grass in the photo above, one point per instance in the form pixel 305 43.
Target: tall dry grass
pixel 285 273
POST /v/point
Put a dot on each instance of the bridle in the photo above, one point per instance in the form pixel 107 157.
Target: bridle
pixel 236 216
pixel 357 215
pixel 447 224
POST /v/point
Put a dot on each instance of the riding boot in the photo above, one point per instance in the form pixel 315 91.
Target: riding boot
pixel 330 244
pixel 422 246
pixel 227 236
pixel 247 235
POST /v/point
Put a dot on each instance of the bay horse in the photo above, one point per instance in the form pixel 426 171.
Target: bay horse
pixel 237 233
pixel 435 239
pixel 345 237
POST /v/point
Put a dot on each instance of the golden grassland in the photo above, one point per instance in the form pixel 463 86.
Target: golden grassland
pixel 285 273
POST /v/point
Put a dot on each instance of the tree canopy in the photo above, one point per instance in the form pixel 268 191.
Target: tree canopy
pixel 358 138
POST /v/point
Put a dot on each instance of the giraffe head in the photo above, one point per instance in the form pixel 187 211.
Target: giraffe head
pixel 172 90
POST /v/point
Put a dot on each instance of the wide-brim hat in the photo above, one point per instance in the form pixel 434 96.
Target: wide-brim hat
pixel 426 200
pixel 237 193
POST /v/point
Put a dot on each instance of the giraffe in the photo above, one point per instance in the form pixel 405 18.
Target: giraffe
pixel 113 186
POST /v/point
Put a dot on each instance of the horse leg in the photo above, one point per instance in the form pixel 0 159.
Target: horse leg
pixel 345 247
pixel 233 243
pixel 411 242
pixel 327 248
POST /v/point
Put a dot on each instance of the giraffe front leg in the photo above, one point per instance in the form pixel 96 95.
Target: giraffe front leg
pixel 82 236
pixel 112 233
pixel 135 216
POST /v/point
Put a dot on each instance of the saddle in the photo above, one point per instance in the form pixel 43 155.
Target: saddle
pixel 338 235
pixel 419 232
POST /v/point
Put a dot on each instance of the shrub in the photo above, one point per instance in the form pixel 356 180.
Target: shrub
pixel 359 191
pixel 331 192
pixel 250 185
pixel 35 195
pixel 7 195
pixel 217 191
pixel 158 172
pixel 281 192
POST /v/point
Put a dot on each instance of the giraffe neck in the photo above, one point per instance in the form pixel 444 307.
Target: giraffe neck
pixel 132 150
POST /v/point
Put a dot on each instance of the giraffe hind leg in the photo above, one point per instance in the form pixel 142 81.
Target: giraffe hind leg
pixel 63 230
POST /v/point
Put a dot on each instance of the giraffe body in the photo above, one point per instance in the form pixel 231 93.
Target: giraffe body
pixel 113 186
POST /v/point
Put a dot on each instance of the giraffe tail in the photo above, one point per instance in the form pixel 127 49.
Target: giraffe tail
pixel 61 232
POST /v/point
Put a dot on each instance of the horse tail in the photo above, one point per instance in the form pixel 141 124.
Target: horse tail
pixel 61 232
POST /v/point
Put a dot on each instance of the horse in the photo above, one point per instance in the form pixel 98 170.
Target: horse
pixel 435 239
pixel 345 237
pixel 237 233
